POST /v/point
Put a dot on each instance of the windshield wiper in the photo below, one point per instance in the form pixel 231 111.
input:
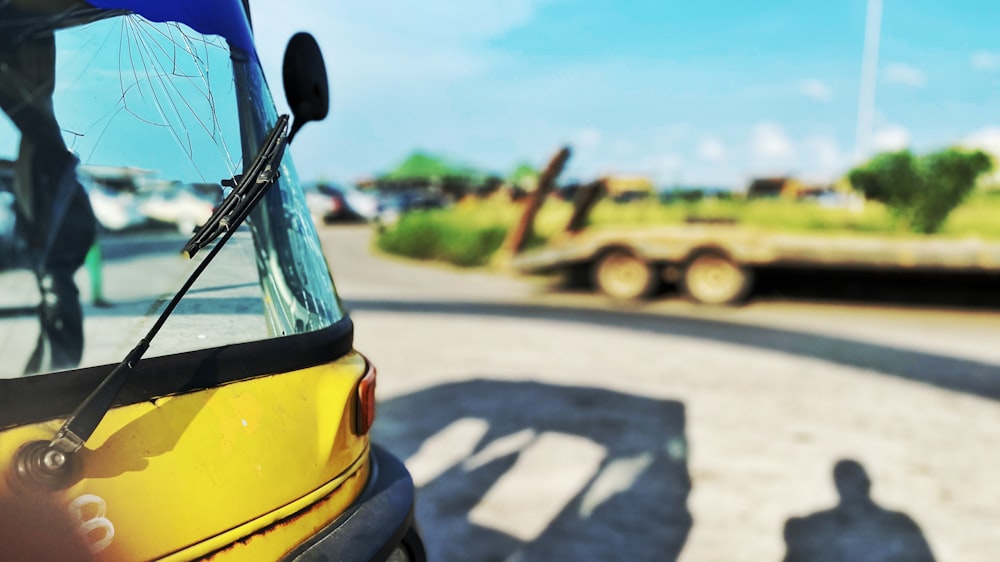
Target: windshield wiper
pixel 247 190
pixel 47 463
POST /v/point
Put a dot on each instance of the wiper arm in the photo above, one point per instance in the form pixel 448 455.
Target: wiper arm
pixel 247 190
pixel 47 463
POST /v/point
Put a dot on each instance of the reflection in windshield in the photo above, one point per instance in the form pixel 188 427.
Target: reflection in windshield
pixel 116 138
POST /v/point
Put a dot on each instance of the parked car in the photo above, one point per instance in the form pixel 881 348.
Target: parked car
pixel 356 202
pixel 394 204
pixel 324 207
pixel 238 427
pixel 339 203
pixel 126 198
pixel 8 236
pixel 116 210
pixel 179 206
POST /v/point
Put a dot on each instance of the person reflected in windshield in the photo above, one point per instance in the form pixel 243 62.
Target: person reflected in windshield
pixel 53 211
pixel 857 529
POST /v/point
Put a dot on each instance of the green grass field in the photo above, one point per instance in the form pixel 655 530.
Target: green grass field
pixel 470 233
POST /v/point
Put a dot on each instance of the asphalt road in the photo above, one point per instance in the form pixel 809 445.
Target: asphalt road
pixel 541 424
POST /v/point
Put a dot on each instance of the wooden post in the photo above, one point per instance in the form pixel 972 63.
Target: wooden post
pixel 583 202
pixel 525 226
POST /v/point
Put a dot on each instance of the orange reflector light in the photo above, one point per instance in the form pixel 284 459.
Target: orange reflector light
pixel 365 415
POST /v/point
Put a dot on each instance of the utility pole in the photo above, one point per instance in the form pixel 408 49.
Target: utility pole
pixel 869 78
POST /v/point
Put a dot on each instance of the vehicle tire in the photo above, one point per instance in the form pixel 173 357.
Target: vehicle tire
pixel 411 548
pixel 621 274
pixel 712 278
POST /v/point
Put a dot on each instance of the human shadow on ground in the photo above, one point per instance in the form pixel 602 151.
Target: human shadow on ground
pixel 856 529
pixel 627 502
pixel 962 375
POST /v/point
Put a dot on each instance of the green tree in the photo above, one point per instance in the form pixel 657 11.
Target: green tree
pixel 922 190
pixel 421 165
pixel 522 174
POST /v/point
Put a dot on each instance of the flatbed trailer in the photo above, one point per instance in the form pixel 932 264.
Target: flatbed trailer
pixel 715 264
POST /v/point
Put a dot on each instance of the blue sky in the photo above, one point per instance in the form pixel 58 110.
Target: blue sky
pixel 693 92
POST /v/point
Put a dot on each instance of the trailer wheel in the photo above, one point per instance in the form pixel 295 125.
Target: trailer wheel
pixel 712 278
pixel 623 275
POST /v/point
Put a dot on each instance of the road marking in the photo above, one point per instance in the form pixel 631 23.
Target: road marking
pixel 445 449
pixel 617 477
pixel 544 479
pixel 499 448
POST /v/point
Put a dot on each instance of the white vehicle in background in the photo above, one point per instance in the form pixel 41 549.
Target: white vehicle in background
pixel 177 204
pixel 125 198
pixel 324 207
pixel 113 195
pixel 114 211
pixel 329 203
pixel 8 235
pixel 363 204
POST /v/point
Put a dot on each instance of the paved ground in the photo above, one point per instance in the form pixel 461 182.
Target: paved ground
pixel 556 426
pixel 140 273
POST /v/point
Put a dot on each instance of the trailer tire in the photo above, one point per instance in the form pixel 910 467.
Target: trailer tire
pixel 713 278
pixel 620 274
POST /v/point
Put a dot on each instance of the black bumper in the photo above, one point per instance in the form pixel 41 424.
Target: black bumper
pixel 379 522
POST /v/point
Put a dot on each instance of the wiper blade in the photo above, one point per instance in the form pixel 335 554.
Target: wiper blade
pixel 247 189
pixel 49 461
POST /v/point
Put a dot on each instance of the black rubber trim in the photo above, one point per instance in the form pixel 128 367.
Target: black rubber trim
pixel 53 395
pixel 380 520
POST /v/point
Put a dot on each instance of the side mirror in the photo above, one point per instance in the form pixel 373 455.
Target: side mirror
pixel 304 77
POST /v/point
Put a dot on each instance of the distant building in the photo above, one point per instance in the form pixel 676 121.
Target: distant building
pixel 629 188
pixel 774 187
pixel 693 193
pixel 118 179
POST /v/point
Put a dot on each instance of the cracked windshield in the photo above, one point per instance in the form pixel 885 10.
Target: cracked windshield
pixel 116 138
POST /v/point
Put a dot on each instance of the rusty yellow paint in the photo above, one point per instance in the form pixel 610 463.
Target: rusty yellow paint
pixel 214 465
pixel 273 535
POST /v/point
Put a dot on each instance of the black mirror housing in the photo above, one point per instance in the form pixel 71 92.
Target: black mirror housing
pixel 304 76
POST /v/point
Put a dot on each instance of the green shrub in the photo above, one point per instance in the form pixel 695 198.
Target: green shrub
pixel 922 190
pixel 470 234
pixel 444 235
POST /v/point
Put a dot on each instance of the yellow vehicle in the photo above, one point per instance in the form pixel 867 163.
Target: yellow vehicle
pixel 216 409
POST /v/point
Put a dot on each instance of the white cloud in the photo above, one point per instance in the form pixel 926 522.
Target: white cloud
pixel 769 140
pixel 586 139
pixel 985 60
pixel 824 151
pixel 622 148
pixel 987 139
pixel 383 47
pixel 824 159
pixel 393 66
pixel 816 90
pixel 446 19
pixel 712 149
pixel 672 134
pixel 663 168
pixel 588 157
pixel 899 73
pixel 891 137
